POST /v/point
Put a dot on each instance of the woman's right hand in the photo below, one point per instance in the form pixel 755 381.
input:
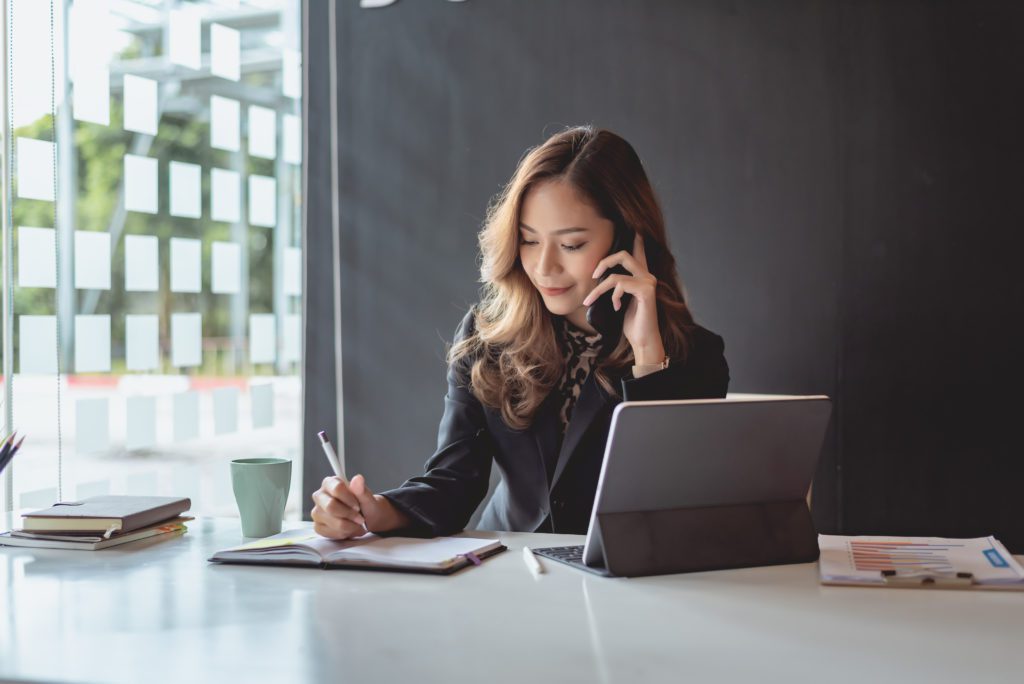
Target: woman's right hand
pixel 342 512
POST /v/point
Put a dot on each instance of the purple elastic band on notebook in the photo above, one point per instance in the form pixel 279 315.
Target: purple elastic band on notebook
pixel 472 558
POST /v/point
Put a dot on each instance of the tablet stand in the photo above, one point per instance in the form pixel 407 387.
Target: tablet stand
pixel 707 538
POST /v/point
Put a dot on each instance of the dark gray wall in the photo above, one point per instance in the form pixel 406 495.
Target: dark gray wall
pixel 933 104
pixel 835 176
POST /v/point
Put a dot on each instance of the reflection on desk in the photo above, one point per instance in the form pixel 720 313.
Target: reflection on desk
pixel 156 611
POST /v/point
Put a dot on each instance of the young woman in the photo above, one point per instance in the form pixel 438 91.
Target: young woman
pixel 532 384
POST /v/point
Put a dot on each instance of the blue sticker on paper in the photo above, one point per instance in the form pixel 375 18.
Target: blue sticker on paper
pixel 995 559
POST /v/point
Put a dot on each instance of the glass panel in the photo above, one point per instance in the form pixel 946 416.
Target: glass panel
pixel 170 291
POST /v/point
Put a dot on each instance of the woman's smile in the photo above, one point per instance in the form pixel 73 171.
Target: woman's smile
pixel 554 292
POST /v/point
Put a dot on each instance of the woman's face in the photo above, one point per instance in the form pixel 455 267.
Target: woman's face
pixel 561 240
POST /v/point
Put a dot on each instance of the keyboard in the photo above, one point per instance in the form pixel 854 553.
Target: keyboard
pixel 570 555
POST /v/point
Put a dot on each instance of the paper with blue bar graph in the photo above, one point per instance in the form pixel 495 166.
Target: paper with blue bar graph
pixel 862 560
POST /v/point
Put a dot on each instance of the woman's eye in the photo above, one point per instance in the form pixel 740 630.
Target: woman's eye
pixel 568 248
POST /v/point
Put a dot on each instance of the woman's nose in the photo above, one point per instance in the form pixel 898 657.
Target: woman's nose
pixel 548 261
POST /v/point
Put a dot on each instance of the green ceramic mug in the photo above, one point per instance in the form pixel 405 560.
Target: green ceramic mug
pixel 261 490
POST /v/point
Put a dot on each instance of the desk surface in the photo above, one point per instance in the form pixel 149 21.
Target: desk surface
pixel 156 611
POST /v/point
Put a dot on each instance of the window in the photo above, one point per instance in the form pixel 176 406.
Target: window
pixel 157 258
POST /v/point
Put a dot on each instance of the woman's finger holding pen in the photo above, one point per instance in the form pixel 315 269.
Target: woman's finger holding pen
pixel 334 486
pixel 335 508
pixel 332 511
pixel 334 528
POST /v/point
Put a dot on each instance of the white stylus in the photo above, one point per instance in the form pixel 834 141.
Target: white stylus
pixel 332 457
pixel 532 563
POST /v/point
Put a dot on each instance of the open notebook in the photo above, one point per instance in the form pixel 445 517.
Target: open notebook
pixel 441 555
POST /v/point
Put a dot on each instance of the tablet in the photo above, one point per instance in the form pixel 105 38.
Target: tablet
pixel 706 484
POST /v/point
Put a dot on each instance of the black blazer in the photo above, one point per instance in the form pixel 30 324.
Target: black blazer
pixel 472 436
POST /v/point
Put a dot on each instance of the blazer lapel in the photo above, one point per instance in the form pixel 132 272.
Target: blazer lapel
pixel 546 430
pixel 592 399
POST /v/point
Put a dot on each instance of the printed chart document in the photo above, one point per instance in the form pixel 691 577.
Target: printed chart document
pixel 865 561
pixel 305 547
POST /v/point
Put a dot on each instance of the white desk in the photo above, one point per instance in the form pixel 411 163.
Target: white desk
pixel 158 612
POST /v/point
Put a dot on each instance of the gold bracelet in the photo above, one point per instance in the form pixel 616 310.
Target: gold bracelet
pixel 651 367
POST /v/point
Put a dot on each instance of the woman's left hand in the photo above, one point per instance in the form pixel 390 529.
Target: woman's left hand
pixel 641 322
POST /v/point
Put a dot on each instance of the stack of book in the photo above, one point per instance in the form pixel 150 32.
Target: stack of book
pixel 99 522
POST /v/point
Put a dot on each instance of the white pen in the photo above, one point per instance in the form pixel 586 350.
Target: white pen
pixel 332 457
pixel 536 569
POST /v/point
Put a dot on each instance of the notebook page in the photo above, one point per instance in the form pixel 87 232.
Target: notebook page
pixel 287 538
pixel 290 545
pixel 419 553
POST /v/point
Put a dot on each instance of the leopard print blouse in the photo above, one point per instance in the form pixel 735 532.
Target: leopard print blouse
pixel 580 351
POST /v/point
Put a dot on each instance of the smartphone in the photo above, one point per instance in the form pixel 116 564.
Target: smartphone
pixel 601 315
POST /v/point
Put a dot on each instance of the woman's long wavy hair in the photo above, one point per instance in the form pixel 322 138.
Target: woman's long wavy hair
pixel 513 357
